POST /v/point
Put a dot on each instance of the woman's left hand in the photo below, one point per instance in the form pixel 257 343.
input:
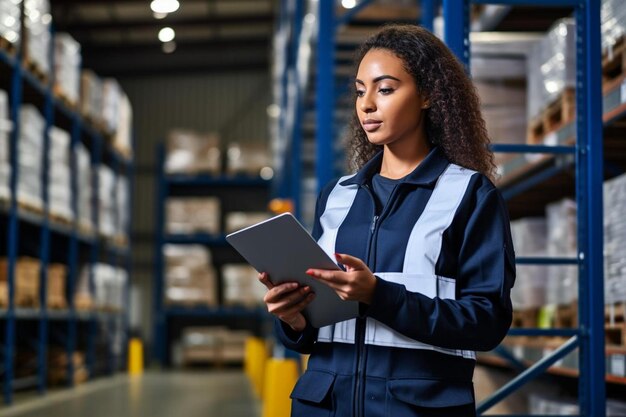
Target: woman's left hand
pixel 357 283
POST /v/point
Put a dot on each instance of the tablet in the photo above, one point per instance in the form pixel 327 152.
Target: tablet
pixel 283 248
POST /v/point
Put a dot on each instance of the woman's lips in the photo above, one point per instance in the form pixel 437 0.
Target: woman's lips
pixel 371 125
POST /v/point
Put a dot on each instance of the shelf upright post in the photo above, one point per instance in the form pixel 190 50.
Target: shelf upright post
pixel 456 29
pixel 284 177
pixel 325 94
pixel 590 176
pixel 72 262
pixel 160 319
pixel 130 177
pixel 296 134
pixel 428 13
pixel 13 235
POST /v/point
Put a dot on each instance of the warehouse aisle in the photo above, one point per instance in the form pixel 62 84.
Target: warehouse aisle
pixel 156 394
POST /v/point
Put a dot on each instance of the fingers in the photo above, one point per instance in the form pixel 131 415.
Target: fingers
pixel 265 280
pixel 353 263
pixel 326 275
pixel 288 304
pixel 286 294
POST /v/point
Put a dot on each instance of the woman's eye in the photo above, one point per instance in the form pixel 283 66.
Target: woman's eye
pixel 385 91
pixel 360 93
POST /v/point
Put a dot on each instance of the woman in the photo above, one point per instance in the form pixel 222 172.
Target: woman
pixel 424 237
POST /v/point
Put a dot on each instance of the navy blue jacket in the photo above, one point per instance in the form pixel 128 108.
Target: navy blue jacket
pixel 369 380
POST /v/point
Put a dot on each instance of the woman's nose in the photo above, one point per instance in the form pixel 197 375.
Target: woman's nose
pixel 367 105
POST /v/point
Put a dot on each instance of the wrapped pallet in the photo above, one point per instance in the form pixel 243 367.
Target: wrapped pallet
pixel 67 64
pixel 551 67
pixel 122 208
pixel 56 286
pixel 83 297
pixel 26 280
pixel 37 22
pixel 11 23
pixel 189 277
pixel 241 286
pixel 562 286
pixel 106 200
pixel 613 23
pixel 6 127
pixel 529 239
pixel 237 220
pixel 84 188
pixel 615 240
pixel 91 91
pixel 249 158
pixel 123 137
pixel 109 285
pixel 189 152
pixel 30 158
pixel 58 361
pixel 59 181
pixel 111 98
pixel 193 215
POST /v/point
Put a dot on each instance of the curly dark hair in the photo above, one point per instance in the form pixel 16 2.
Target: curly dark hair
pixel 454 121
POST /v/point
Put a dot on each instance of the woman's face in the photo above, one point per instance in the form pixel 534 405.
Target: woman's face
pixel 388 104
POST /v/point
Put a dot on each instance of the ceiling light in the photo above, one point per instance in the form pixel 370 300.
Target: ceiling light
pixel 164 6
pixel 348 4
pixel 166 34
pixel 159 16
pixel 169 47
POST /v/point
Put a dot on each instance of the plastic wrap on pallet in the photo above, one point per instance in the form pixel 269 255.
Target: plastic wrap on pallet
pixel 6 126
pixel 122 217
pixel 189 152
pixel 615 240
pixel 67 64
pixel 84 186
pixel 613 23
pixel 193 215
pixel 109 286
pixel 189 277
pixel 562 285
pixel 106 200
pixel 249 158
pixel 37 21
pixel 11 23
pixel 551 66
pixel 123 139
pixel 111 97
pixel 59 191
pixel 30 157
pixel 91 95
pixel 241 286
pixel 529 239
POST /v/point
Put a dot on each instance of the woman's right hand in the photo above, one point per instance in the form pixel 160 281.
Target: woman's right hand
pixel 287 300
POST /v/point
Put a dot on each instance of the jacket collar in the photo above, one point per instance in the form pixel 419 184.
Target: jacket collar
pixel 426 173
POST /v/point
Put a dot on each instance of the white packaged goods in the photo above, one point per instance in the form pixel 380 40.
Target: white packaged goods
pixel 30 157
pixel 6 127
pixel 11 24
pixel 238 220
pixel 189 152
pixel 111 97
pixel 529 239
pixel 37 20
pixel 122 207
pixel 551 66
pixel 84 186
pixel 241 285
pixel 67 63
pixel 542 405
pixel 122 140
pixel 249 158
pixel 615 240
pixel 613 23
pixel 109 286
pixel 59 192
pixel 5 177
pixel 106 200
pixel 562 285
pixel 193 215
pixel 91 95
pixel 189 277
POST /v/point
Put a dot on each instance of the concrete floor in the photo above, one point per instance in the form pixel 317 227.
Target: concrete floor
pixel 224 393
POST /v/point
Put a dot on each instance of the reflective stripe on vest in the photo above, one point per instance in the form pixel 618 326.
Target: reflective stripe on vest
pixel 422 252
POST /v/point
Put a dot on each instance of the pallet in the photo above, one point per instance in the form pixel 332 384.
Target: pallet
pixel 525 318
pixel 29 207
pixel 566 316
pixel 56 303
pixel 615 313
pixel 8 47
pixel 36 70
pixel 63 98
pixel 615 335
pixel 557 114
pixel 26 301
pixel 614 63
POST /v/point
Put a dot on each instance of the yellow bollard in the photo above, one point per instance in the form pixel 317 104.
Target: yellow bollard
pixel 280 378
pixel 135 356
pixel 255 360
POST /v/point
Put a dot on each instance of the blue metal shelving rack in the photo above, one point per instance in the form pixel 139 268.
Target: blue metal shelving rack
pixel 587 152
pixel 183 184
pixel 62 326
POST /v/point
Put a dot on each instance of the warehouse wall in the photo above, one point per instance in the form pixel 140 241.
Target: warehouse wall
pixel 233 104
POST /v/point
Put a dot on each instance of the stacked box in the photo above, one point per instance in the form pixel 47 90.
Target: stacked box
pixel 83 299
pixel 56 286
pixel 67 63
pixel 59 191
pixel 122 217
pixel 542 405
pixel 562 285
pixel 109 285
pixel 613 23
pixel 37 21
pixel 26 280
pixel 503 105
pixel 84 187
pixel 193 215
pixel 123 139
pixel 106 200
pixel 58 362
pixel 615 240
pixel 190 152
pixel 6 126
pixel 241 285
pixel 11 23
pixel 91 92
pixel 214 344
pixel 189 277
pixel 248 158
pixel 529 239
pixel 111 98
pixel 30 157
pixel 238 220
pixel 551 66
